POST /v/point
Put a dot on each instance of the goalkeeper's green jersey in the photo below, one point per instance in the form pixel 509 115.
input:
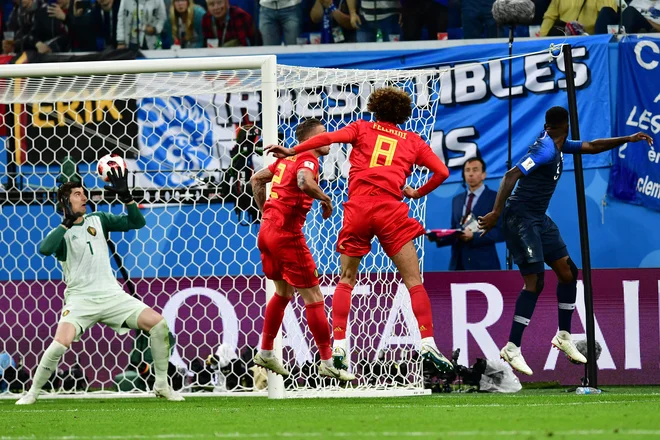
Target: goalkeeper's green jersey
pixel 83 251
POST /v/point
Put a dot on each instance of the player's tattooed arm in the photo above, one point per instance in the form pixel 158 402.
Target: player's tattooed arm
pixel 489 221
pixel 259 182
pixel 301 179
pixel 307 184
pixel 600 145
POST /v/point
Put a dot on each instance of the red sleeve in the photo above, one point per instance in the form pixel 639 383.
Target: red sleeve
pixel 309 162
pixel 347 134
pixel 428 159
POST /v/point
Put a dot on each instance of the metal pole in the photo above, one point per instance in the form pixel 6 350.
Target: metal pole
pixel 269 136
pixel 509 257
pixel 592 367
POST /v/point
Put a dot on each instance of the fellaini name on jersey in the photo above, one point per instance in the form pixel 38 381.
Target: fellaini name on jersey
pixel 393 131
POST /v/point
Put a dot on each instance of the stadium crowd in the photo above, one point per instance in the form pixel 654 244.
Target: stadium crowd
pixel 95 25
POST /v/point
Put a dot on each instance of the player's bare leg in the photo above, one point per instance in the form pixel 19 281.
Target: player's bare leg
pixel 153 323
pixel 64 336
pixel 341 307
pixel 272 323
pixel 567 273
pixel 407 263
pixel 525 305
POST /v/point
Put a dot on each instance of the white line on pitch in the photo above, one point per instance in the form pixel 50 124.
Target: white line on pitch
pixel 233 409
pixel 496 405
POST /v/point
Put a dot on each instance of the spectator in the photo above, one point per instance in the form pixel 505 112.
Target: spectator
pixel 83 28
pixel 93 27
pixel 140 23
pixel 561 12
pixel 540 6
pixel 606 17
pixel 338 28
pixel 478 21
pixel 280 20
pixel 473 251
pixel 642 16
pixel 185 23
pixel 49 30
pixel 229 25
pixel 107 14
pixel 417 14
pixel 20 22
pixel 202 3
pixel 375 20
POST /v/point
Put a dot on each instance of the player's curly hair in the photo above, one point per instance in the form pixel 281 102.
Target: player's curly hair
pixel 64 192
pixel 390 104
pixel 305 127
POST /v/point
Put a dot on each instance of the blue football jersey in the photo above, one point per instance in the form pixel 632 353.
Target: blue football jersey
pixel 542 167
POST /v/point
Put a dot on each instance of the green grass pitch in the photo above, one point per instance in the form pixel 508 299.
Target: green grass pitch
pixel 620 413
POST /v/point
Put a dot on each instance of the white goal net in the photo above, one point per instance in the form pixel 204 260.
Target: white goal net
pixel 192 133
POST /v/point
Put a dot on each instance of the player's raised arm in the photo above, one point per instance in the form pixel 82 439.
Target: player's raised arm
pixel 307 184
pixel 347 134
pixel 601 145
pixel 259 181
pixel 440 172
pixel 122 223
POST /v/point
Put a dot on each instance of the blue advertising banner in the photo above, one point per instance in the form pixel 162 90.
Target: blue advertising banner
pixel 472 115
pixel 468 96
pixel 635 174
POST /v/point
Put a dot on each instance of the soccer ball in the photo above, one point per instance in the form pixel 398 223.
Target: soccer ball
pixel 108 162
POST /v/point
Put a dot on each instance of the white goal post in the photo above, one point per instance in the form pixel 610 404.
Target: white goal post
pixel 192 131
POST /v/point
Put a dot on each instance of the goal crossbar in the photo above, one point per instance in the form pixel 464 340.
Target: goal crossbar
pixel 263 62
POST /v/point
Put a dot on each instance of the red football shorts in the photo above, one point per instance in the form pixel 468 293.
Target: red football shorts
pixel 285 256
pixel 383 216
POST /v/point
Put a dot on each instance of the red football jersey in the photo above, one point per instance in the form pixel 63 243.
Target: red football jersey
pixel 382 157
pixel 286 199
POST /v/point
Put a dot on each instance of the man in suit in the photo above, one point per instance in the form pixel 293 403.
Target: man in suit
pixel 472 251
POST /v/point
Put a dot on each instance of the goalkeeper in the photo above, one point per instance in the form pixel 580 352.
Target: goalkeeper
pixel 92 292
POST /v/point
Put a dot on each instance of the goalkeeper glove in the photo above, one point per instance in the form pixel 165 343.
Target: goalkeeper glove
pixel 119 186
pixel 69 216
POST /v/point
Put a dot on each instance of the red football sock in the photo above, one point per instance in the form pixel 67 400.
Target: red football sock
pixel 421 306
pixel 273 320
pixel 341 306
pixel 318 325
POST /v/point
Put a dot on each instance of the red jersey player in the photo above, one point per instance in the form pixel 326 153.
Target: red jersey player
pixel 382 158
pixel 285 257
